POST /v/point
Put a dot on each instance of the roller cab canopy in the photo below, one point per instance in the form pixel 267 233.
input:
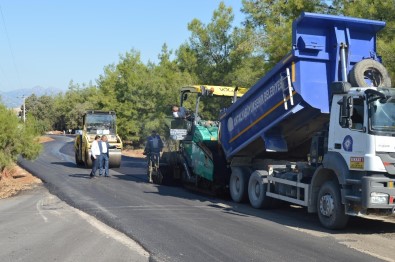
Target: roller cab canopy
pixel 214 90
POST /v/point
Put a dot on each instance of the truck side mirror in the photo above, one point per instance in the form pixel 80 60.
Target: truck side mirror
pixel 346 111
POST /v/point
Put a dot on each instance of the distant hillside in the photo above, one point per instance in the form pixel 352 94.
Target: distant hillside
pixel 13 99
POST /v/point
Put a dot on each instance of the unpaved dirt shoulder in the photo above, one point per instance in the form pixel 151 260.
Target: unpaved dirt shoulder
pixel 15 179
pixel 138 153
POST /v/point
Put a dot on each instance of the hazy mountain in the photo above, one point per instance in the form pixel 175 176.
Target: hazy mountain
pixel 12 99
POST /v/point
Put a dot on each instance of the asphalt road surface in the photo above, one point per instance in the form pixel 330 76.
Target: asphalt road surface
pixel 174 224
pixel 38 226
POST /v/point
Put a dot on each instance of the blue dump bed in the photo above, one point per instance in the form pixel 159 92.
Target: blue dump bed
pixel 282 111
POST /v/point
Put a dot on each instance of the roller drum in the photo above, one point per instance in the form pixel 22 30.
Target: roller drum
pixel 115 158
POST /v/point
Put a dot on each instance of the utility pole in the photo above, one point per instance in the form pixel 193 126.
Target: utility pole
pixel 24 107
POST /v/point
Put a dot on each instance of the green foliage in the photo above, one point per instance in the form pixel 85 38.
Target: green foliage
pixel 140 94
pixel 217 50
pixel 387 50
pixel 272 23
pixel 377 10
pixel 219 54
pixel 70 107
pixel 42 109
pixel 216 53
pixel 16 138
pixel 212 45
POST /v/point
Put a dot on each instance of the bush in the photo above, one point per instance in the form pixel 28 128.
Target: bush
pixel 16 138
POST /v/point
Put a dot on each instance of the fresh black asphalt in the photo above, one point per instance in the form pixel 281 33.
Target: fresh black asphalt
pixel 174 224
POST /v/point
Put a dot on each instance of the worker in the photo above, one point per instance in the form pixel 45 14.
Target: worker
pixel 154 145
pixel 179 112
pixel 104 156
pixel 95 155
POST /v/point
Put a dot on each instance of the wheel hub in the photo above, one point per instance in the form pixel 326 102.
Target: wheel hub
pixel 327 205
pixel 237 184
pixel 373 76
pixel 257 189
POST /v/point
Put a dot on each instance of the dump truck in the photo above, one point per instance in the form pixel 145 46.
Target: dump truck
pixel 318 130
pixel 97 122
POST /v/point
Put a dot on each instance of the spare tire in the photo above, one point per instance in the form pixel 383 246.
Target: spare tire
pixel 367 73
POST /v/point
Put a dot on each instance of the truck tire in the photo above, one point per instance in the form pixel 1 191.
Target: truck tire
pixel 257 186
pixel 238 184
pixel 330 209
pixel 369 72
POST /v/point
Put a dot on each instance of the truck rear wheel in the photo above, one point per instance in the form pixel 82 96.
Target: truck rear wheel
pixel 238 184
pixel 331 211
pixel 257 186
pixel 369 72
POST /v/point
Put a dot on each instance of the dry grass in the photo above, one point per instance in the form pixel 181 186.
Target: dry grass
pixel 44 139
pixel 133 153
pixel 15 179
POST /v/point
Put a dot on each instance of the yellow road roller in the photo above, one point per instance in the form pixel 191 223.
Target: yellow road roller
pixel 98 123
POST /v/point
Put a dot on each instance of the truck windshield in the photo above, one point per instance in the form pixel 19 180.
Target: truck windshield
pixel 383 115
pixel 100 124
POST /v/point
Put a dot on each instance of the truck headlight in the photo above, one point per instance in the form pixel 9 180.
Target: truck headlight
pixel 378 198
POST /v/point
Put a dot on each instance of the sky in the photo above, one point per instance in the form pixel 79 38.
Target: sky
pixel 48 43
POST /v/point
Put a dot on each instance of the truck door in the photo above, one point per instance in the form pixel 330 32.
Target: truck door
pixel 351 141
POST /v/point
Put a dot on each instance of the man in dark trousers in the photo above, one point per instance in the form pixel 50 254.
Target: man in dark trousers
pixel 95 156
pixel 154 145
pixel 104 156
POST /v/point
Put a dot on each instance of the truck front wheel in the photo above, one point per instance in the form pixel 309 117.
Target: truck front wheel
pixel 330 208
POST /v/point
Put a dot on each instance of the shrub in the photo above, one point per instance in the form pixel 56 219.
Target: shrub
pixel 16 138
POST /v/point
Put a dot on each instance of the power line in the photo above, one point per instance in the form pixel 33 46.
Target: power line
pixel 4 77
pixel 9 45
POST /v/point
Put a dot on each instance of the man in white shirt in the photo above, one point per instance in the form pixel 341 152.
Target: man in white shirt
pixel 95 155
pixel 104 156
